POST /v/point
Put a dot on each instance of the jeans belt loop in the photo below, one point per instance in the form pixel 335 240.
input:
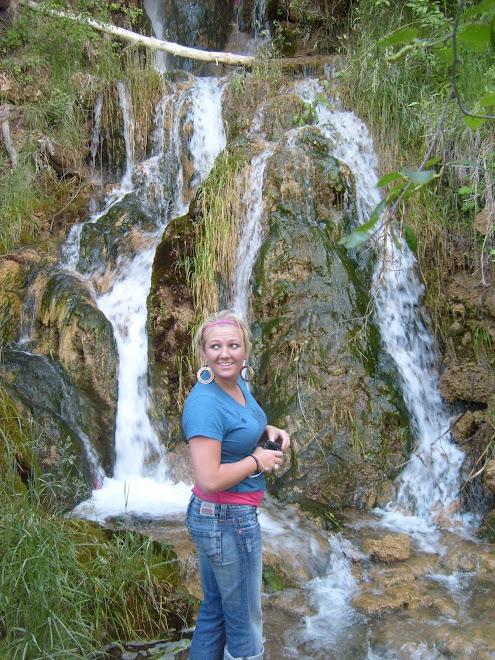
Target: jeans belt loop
pixel 223 512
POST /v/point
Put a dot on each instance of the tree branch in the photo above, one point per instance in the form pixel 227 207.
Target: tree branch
pixel 149 42
pixel 4 123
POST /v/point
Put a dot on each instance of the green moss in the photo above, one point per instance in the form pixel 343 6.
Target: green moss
pixel 273 581
pixel 487 527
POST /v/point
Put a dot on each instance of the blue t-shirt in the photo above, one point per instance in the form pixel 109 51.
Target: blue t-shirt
pixel 212 413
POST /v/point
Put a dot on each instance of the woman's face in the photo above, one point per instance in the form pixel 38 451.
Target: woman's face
pixel 224 352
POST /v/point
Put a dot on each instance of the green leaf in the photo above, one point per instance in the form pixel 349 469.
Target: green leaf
pixel 376 215
pixel 492 33
pixel 480 8
pixel 388 178
pixel 488 100
pixel 475 36
pixel 394 238
pixel 446 55
pixel 411 239
pixel 363 232
pixel 473 122
pixel 355 239
pixel 401 37
pixel 433 161
pixel 421 177
pixel 394 192
pixel 468 163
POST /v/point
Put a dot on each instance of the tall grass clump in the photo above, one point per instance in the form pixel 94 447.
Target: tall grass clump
pixel 219 204
pixel 17 208
pixel 68 587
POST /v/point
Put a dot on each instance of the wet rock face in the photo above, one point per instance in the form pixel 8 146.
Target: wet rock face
pixel 319 373
pixel 390 548
pixel 171 315
pixel 70 380
pixel 205 25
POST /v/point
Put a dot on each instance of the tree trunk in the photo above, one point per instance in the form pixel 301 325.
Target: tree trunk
pixel 4 123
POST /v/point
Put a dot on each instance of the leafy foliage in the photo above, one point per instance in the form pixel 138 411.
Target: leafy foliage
pixel 447 43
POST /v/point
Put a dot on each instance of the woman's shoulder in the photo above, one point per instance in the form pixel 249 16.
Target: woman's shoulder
pixel 201 392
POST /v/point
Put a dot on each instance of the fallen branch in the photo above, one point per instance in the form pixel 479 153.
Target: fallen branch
pixel 149 42
pixel 4 122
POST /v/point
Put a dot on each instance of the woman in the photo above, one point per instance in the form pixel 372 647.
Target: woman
pixel 224 424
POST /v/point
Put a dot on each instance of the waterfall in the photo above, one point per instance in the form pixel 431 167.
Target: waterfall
pixel 208 139
pixel 95 138
pixel 126 105
pixel 125 307
pixel 429 485
pixel 140 483
pixel 154 11
pixel 251 236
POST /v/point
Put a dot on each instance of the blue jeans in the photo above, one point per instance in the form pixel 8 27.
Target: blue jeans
pixel 228 540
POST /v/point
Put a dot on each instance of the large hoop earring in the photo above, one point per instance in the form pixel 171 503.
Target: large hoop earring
pixel 247 378
pixel 211 375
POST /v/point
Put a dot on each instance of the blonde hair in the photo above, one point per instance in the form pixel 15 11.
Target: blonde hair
pixel 226 316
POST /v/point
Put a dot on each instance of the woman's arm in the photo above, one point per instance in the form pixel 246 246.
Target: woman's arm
pixel 212 476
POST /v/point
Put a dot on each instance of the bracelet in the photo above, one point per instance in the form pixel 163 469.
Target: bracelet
pixel 258 463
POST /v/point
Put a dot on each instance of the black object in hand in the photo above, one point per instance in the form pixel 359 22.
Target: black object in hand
pixel 270 444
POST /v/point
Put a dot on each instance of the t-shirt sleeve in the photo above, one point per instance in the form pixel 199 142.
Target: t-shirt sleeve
pixel 203 416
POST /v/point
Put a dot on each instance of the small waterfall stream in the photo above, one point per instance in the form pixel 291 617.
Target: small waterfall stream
pixel 140 483
pixel 251 235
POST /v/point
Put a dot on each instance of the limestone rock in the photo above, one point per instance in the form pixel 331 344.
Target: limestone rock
pixel 467 381
pixel 484 221
pixel 409 596
pixel 390 548
pixel 489 476
pixel 462 426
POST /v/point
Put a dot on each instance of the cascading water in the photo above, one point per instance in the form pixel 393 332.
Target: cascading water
pixel 430 482
pixel 140 484
pixel 429 485
pixel 251 235
pixel 154 11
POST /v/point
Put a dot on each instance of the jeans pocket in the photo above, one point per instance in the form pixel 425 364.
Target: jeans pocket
pixel 208 543
pixel 247 521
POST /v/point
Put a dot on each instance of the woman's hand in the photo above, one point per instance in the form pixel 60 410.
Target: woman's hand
pixel 278 435
pixel 268 459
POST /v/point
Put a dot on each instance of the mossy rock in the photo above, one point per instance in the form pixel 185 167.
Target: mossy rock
pixel 487 528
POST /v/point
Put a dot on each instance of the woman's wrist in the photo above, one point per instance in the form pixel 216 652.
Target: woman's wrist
pixel 259 465
pixel 255 460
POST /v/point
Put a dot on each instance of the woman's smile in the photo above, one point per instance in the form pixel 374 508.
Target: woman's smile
pixel 224 352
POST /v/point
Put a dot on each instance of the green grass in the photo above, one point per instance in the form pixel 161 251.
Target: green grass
pixel 219 201
pixel 68 587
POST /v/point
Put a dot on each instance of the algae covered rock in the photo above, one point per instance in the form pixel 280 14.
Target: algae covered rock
pixel 171 315
pixel 59 359
pixel 321 373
